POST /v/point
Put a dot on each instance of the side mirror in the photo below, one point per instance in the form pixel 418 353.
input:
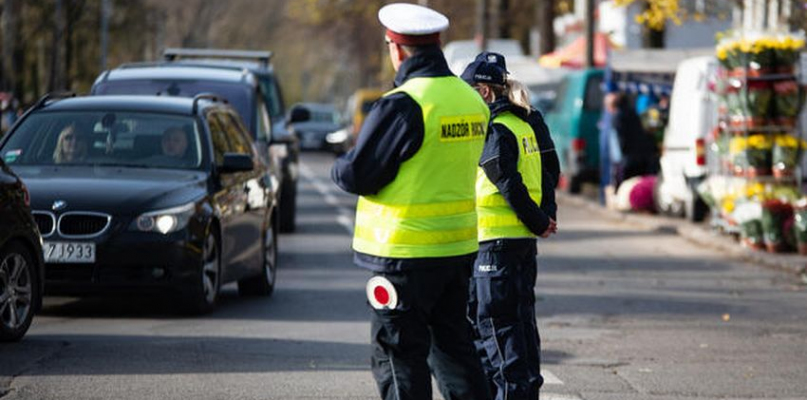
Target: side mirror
pixel 299 114
pixel 234 162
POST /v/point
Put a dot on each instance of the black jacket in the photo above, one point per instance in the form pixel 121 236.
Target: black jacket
pixel 500 163
pixel 392 133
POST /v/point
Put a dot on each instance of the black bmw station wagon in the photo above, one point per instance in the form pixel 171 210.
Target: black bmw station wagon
pixel 147 193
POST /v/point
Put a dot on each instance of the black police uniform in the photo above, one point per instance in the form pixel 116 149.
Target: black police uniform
pixel 502 301
pixel 428 331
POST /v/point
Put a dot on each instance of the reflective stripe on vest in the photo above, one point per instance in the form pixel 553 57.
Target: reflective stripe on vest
pixel 429 209
pixel 495 217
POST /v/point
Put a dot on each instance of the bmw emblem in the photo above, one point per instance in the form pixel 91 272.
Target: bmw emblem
pixel 59 205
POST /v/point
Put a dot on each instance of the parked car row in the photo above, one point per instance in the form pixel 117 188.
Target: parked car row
pixel 172 178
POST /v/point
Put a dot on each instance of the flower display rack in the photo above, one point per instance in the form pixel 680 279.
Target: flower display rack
pixel 756 148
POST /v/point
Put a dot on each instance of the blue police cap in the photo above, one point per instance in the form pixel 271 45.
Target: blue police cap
pixel 484 72
pixel 492 58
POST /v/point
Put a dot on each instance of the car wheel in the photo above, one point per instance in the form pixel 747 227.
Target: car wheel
pixel 288 206
pixel 205 291
pixel 264 283
pixel 19 291
pixel 695 208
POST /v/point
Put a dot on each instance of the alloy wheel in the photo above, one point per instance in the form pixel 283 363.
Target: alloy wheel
pixel 16 291
pixel 210 270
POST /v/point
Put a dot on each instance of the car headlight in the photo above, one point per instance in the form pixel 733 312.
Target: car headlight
pixel 339 136
pixel 165 221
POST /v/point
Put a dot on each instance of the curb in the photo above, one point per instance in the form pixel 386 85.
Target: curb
pixel 699 234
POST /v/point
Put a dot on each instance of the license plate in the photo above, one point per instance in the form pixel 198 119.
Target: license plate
pixel 69 252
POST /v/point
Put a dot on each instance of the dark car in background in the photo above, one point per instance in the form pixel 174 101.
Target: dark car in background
pixel 246 79
pixel 124 206
pixel 21 266
pixel 312 123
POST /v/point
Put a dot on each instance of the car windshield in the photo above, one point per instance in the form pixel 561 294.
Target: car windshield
pixel 128 139
pixel 237 95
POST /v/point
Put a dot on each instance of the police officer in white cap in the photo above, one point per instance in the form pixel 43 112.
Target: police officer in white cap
pixel 414 168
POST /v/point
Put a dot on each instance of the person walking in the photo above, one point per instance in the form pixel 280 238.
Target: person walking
pixel 636 145
pixel 514 200
pixel 414 168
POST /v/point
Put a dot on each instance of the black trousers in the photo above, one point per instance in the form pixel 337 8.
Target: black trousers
pixel 428 332
pixel 502 308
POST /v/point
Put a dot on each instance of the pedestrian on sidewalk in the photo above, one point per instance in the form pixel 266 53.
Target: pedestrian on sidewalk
pixel 515 205
pixel 414 168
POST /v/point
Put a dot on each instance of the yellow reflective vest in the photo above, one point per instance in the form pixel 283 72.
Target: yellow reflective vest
pixel 497 220
pixel 428 210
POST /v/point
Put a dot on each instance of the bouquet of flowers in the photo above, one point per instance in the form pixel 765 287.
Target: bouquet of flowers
pixel 787 102
pixel 749 216
pixel 775 215
pixel 786 52
pixel 800 225
pixel 749 107
pixel 786 149
pixel 758 155
pixel 737 153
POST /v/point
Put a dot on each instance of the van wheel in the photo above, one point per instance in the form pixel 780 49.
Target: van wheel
pixel 695 208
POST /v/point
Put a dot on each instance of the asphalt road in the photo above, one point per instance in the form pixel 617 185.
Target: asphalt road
pixel 625 313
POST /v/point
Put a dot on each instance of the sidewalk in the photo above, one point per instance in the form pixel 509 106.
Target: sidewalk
pixel 697 233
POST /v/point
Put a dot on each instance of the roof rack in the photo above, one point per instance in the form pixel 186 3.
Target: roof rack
pixel 51 96
pixel 173 54
pixel 206 96
pixel 41 102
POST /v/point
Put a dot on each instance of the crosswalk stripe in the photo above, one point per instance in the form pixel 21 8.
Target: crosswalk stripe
pixel 558 396
pixel 344 215
pixel 550 378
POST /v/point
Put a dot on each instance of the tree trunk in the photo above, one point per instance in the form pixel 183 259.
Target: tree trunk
pixel 546 20
pixel 651 38
pixel 58 51
pixel 12 46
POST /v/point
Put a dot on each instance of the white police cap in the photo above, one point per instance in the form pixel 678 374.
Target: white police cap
pixel 412 19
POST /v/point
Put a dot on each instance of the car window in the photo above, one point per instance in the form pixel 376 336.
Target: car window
pixel 561 97
pixel 238 95
pixel 136 139
pixel 272 97
pixel 239 142
pixel 218 135
pixel 594 95
pixel 264 123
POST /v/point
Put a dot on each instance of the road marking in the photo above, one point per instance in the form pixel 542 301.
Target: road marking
pixel 344 215
pixel 550 378
pixel 558 396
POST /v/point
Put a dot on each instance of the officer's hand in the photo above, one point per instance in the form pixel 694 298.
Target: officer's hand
pixel 551 229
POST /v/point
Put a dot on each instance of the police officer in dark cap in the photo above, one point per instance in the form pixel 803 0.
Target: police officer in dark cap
pixel 515 205
pixel 414 168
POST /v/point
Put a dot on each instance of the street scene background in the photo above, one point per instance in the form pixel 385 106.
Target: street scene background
pixel 685 281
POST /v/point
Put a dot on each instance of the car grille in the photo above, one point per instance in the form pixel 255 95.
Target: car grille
pixel 83 224
pixel 45 222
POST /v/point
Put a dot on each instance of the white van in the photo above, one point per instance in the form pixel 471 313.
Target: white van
pixel 693 110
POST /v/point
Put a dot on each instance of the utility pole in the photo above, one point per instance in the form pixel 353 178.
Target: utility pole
pixel 482 17
pixel 546 20
pixel 590 23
